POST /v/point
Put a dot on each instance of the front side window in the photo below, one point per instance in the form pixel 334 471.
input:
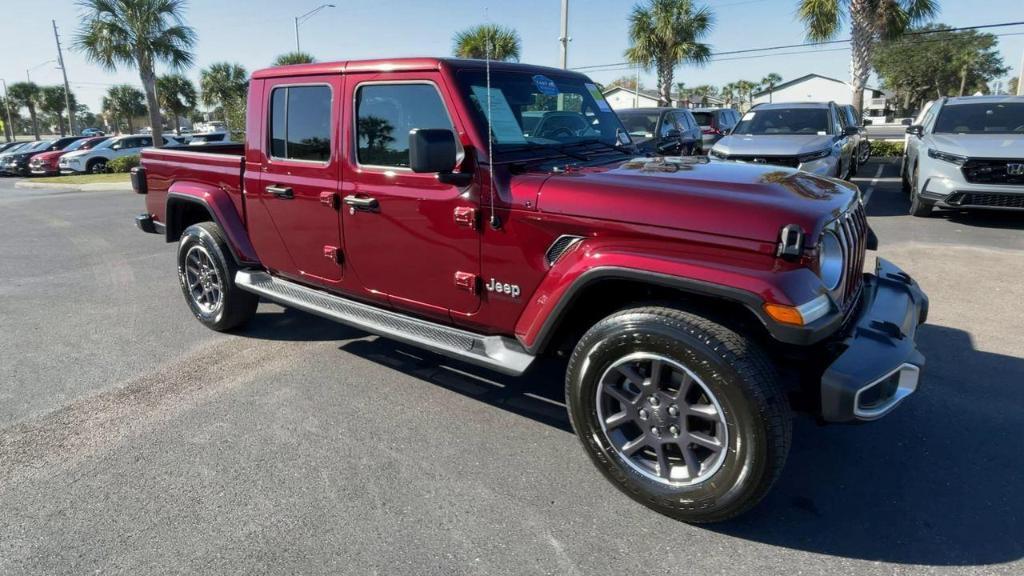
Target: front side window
pixel 981 118
pixel 300 123
pixel 386 113
pixel 786 121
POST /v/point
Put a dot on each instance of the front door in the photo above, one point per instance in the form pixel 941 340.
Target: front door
pixel 300 178
pixel 407 235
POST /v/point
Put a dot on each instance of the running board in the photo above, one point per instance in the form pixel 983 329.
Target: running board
pixel 496 352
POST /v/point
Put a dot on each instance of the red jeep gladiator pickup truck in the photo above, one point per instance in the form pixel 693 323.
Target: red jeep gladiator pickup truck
pixel 495 213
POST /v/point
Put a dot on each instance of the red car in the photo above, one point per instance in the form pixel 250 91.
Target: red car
pixel 698 303
pixel 45 164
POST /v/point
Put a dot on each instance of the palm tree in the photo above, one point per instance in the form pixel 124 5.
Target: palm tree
pixel 665 34
pixel 138 34
pixel 124 102
pixel 745 91
pixel 177 97
pixel 225 84
pixel 770 81
pixel 703 92
pixel 290 58
pixel 870 22
pixel 26 95
pixel 728 93
pixel 488 40
pixel 681 92
pixel 52 101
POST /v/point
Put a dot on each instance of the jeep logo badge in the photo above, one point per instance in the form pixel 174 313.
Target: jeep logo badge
pixel 1015 169
pixel 503 288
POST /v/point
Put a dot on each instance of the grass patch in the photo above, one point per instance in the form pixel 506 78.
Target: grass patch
pixel 86 179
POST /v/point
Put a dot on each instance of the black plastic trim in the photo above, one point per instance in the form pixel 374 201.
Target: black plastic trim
pixel 173 229
pixel 797 335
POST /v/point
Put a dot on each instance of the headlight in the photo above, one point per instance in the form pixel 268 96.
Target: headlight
pixel 718 154
pixel 830 260
pixel 946 157
pixel 815 155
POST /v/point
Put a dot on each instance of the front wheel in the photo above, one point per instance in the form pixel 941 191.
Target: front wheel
pixel 680 413
pixel 918 206
pixel 206 272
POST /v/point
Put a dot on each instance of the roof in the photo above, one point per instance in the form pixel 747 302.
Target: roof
pixel 648 109
pixel 995 99
pixel 782 105
pixel 653 94
pixel 805 78
pixel 403 65
pixel 712 110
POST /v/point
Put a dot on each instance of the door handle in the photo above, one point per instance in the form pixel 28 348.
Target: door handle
pixel 361 203
pixel 283 192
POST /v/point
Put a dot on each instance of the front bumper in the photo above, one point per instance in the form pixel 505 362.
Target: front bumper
pixel 957 194
pixel 880 364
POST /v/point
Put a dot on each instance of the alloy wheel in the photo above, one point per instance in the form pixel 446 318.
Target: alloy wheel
pixel 203 280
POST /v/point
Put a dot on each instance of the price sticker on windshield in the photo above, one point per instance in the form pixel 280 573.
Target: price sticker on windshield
pixel 545 85
pixel 598 97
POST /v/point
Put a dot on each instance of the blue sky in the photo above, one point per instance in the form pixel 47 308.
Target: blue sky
pixel 253 32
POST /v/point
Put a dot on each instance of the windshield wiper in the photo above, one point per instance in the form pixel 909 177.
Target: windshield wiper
pixel 531 146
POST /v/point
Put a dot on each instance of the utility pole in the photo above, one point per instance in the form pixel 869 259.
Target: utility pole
pixel 1020 76
pixel 67 88
pixel 564 38
pixel 636 89
pixel 7 108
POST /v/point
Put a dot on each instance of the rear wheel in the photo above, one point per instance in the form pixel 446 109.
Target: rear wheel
pixel 681 414
pixel 206 272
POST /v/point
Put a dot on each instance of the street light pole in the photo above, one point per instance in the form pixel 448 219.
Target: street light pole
pixel 67 88
pixel 1020 76
pixel 564 38
pixel 303 18
pixel 28 76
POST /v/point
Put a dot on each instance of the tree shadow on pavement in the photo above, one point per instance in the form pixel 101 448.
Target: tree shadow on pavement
pixel 937 482
pixel 273 322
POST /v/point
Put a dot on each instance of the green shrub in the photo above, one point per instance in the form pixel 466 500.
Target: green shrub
pixel 123 164
pixel 882 148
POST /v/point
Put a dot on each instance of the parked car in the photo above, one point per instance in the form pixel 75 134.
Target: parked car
pixel 95 160
pixel 91 132
pixel 861 143
pixel 461 234
pixel 10 145
pixel 48 163
pixel 18 162
pixel 662 131
pixel 209 138
pixel 806 135
pixel 967 152
pixel 14 149
pixel 715 123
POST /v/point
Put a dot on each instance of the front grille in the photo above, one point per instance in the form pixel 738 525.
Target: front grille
pixel 851 228
pixel 986 199
pixel 789 161
pixel 993 171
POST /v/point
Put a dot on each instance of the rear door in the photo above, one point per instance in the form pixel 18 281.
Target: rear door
pixel 298 185
pixel 407 235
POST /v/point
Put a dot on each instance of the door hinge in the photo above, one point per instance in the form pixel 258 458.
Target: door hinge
pixel 465 216
pixel 334 253
pixel 466 281
pixel 330 199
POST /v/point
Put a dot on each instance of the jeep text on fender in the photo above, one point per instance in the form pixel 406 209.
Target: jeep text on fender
pixel 680 289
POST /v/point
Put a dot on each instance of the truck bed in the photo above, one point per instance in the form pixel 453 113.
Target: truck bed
pixel 217 166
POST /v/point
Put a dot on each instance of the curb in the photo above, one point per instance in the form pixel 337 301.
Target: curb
pixel 93 187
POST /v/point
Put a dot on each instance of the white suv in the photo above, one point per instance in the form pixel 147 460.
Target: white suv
pixel 95 160
pixel 967 152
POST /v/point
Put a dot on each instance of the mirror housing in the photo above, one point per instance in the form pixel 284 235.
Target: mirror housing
pixel 432 150
pixel 867 121
pixel 915 130
pixel 851 131
pixel 906 121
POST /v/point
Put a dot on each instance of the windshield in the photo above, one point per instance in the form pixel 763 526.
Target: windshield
pixel 704 119
pixel 777 121
pixel 41 145
pixel 640 125
pixel 77 144
pixel 536 111
pixel 981 118
pixel 89 144
pixel 16 147
pixel 104 144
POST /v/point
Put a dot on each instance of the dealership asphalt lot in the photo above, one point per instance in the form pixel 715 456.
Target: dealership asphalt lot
pixel 133 440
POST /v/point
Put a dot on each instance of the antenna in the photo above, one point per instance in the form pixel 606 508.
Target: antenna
pixel 495 221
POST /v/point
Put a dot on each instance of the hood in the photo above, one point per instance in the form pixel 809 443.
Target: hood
pixel 748 201
pixel 980 145
pixel 49 156
pixel 76 154
pixel 781 145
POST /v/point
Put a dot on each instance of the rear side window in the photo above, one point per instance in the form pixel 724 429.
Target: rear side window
pixel 300 123
pixel 386 113
pixel 703 118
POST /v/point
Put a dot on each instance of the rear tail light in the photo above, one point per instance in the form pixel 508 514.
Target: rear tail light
pixel 710 130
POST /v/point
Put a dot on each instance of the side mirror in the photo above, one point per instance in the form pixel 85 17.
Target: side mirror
pixel 867 122
pixel 673 133
pixel 906 122
pixel 916 130
pixel 851 131
pixel 433 151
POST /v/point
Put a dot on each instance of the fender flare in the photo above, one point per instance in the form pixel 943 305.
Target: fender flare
pixel 221 210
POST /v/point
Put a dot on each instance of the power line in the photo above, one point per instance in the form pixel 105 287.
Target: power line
pixel 815 44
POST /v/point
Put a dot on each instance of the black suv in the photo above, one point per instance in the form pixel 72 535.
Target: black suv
pixel 663 131
pixel 715 123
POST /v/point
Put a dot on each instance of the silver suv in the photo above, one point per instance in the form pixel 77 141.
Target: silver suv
pixel 810 136
pixel 967 152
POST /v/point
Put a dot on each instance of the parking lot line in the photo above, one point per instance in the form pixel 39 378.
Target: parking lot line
pixel 874 182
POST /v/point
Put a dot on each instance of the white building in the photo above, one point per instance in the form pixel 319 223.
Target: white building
pixel 818 88
pixel 622 98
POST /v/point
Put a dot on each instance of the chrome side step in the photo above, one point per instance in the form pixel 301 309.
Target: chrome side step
pixel 499 353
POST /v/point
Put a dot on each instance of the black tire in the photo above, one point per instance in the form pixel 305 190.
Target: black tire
pixel 918 206
pixel 96 166
pixel 232 307
pixel 742 383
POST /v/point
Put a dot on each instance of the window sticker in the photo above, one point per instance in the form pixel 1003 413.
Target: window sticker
pixel 504 126
pixel 595 93
pixel 749 116
pixel 545 85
